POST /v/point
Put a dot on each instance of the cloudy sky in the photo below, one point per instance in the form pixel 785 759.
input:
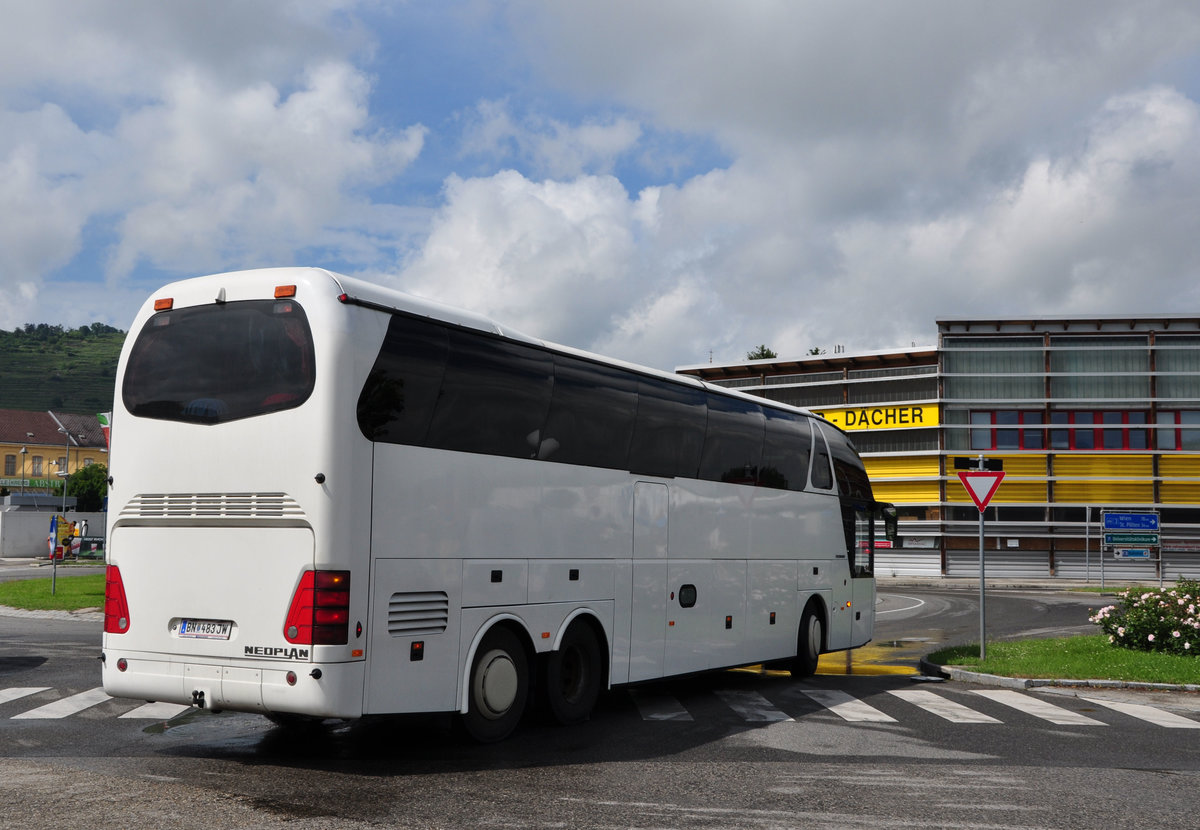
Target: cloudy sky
pixel 660 180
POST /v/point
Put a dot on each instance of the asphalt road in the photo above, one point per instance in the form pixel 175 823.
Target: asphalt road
pixel 728 749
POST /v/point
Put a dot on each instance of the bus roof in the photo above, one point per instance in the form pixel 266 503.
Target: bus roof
pixel 383 298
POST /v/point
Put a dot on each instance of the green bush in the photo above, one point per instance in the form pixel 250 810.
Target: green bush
pixel 1155 619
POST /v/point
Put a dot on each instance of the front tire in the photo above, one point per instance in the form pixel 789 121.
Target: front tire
pixel 574 674
pixel 808 644
pixel 499 687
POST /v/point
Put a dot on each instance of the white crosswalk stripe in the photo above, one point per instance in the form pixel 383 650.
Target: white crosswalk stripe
pixel 943 708
pixel 1151 714
pixel 17 693
pixel 752 706
pixel 67 705
pixel 1038 708
pixel 749 705
pixel 157 711
pixel 658 707
pixel 846 707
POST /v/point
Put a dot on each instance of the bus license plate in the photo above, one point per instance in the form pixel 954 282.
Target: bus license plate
pixel 205 629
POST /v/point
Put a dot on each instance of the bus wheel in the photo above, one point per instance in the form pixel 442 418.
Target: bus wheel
pixel 499 687
pixel 808 645
pixel 574 674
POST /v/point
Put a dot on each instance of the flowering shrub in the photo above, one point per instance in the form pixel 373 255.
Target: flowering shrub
pixel 1155 619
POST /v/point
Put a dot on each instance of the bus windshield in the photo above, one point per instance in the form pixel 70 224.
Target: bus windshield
pixel 222 362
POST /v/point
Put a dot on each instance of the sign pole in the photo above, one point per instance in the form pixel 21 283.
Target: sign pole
pixel 980 483
pixel 982 596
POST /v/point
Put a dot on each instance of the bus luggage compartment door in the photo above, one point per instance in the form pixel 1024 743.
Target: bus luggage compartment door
pixel 416 610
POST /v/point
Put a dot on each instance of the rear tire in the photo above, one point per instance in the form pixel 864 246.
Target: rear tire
pixel 498 687
pixel 574 674
pixel 808 643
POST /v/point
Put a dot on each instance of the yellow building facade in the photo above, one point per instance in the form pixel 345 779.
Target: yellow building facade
pixel 1086 415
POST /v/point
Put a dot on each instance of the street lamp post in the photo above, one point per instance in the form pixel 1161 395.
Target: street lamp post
pixel 66 466
pixel 24 452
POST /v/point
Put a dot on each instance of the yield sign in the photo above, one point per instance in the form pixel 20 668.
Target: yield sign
pixel 981 484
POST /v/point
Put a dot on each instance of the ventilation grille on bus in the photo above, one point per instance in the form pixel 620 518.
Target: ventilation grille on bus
pixel 420 612
pixel 212 506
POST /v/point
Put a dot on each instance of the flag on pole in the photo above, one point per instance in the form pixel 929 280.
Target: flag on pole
pixel 105 419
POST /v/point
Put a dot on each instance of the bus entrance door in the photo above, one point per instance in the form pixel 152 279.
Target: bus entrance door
pixel 649 602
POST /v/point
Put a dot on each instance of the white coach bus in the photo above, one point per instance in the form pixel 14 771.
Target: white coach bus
pixel 330 499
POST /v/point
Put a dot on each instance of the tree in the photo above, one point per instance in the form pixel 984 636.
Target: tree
pixel 89 486
pixel 760 352
pixel 816 350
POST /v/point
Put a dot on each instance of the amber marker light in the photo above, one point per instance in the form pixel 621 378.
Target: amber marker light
pixel 282 291
pixel 164 304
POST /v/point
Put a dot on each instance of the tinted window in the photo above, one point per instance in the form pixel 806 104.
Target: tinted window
pixel 592 413
pixel 494 397
pixel 733 441
pixel 669 432
pixel 787 445
pixel 396 403
pixel 221 362
pixel 852 481
pixel 822 478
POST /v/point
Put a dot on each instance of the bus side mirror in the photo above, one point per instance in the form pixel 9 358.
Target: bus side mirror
pixel 891 518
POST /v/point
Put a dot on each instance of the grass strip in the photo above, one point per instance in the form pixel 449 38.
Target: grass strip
pixel 1085 657
pixel 70 593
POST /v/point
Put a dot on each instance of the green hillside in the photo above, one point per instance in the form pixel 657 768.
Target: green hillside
pixel 69 370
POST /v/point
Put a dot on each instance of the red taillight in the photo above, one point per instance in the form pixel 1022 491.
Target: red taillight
pixel 320 610
pixel 116 609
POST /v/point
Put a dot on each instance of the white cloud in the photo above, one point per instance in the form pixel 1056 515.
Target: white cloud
pixel 555 259
pixel 187 140
pixel 224 178
pixel 552 147
pixel 854 169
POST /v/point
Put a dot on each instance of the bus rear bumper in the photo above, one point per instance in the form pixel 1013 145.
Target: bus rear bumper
pixel 332 690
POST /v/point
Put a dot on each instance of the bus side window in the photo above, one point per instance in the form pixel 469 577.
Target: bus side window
pixel 787 445
pixel 494 397
pixel 592 411
pixel 822 477
pixel 668 435
pixel 396 403
pixel 733 441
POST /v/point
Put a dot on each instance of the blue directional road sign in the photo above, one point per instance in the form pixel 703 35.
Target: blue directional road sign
pixel 1131 521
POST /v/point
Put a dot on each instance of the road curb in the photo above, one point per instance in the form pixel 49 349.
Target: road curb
pixel 82 614
pixel 966 675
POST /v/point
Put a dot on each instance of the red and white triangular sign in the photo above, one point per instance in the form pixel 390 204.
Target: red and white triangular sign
pixel 981 485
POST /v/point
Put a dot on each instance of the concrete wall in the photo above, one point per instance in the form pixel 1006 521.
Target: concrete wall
pixel 23 532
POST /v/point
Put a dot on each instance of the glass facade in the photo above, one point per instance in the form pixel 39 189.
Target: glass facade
pixel 1084 414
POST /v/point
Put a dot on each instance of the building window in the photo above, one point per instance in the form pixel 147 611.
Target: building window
pixel 1007 429
pixel 1012 429
pixel 62 463
pixel 87 462
pixel 10 465
pixel 1104 430
pixel 1100 367
pixel 1179 430
pixel 36 463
